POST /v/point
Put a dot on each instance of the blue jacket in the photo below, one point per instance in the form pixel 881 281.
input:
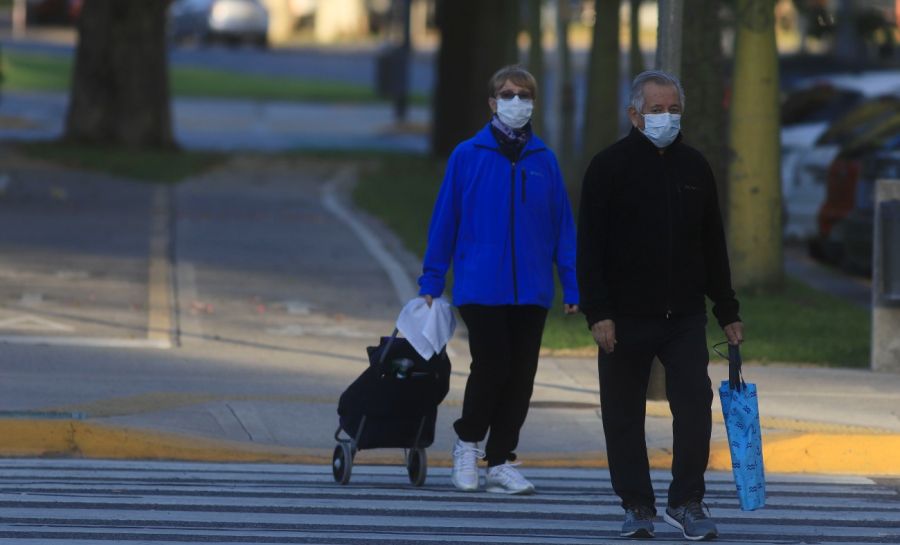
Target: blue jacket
pixel 503 225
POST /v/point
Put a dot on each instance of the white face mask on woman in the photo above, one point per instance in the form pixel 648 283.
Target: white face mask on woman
pixel 661 129
pixel 514 112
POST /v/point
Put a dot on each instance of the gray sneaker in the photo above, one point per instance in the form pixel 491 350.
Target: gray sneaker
pixel 690 518
pixel 638 522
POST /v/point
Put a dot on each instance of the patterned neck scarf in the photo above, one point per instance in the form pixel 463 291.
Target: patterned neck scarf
pixel 511 140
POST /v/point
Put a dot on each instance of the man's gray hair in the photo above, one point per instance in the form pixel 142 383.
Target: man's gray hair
pixel 658 77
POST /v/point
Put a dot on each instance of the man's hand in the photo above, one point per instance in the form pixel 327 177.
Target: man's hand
pixel 604 333
pixel 570 309
pixel 427 300
pixel 734 332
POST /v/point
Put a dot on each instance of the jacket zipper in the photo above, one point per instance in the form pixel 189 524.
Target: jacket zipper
pixel 512 214
pixel 671 227
pixel 512 230
pixel 523 186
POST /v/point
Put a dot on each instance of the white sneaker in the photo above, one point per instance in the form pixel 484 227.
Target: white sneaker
pixel 506 479
pixel 465 465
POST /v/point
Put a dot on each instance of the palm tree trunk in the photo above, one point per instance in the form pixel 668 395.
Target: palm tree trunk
pixel 754 196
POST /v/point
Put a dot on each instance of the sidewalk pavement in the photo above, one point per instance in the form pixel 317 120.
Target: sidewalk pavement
pixel 814 420
pixel 256 376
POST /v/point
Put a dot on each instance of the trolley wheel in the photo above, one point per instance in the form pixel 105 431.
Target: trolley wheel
pixel 417 466
pixel 342 463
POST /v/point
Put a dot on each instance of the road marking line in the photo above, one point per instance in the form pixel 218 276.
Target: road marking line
pixel 298 330
pixel 403 285
pixel 92 342
pixel 33 323
pixel 189 323
pixel 159 285
pixel 31 299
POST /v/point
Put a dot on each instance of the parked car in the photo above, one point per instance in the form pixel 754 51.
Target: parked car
pixel 807 113
pixel 846 217
pixel 229 21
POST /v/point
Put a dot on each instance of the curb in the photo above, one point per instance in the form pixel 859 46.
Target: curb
pixel 867 454
pixel 79 439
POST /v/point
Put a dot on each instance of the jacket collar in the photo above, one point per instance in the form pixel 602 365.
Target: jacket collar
pixel 485 139
pixel 639 139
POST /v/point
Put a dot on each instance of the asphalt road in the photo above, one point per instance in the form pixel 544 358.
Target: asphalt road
pixel 266 291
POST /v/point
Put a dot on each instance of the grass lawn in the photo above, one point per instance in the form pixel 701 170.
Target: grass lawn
pixel 798 324
pixel 40 72
pixel 148 166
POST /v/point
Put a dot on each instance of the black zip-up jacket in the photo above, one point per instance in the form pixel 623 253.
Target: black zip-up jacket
pixel 650 235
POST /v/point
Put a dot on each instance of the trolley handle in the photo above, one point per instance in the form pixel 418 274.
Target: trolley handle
pixel 387 347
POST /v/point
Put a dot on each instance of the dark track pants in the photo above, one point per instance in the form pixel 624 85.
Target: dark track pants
pixel 680 344
pixel 504 342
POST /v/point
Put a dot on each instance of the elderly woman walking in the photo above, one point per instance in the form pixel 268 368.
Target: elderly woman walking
pixel 502 219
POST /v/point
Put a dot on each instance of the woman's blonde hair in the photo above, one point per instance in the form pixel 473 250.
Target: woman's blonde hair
pixel 515 73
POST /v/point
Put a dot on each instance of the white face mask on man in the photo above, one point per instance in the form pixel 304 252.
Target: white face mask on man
pixel 514 112
pixel 661 129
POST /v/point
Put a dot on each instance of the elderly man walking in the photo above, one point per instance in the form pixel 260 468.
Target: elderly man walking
pixel 651 247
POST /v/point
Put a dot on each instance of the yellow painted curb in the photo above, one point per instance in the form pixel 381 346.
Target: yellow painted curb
pixel 847 454
pixel 861 454
pixel 79 439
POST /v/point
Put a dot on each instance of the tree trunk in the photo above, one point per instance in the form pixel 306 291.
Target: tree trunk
pixel 536 60
pixel 635 54
pixel 601 123
pixel 668 49
pixel 120 84
pixel 477 39
pixel 702 68
pixel 754 196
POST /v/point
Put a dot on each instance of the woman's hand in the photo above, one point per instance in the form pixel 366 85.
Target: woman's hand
pixel 427 300
pixel 570 309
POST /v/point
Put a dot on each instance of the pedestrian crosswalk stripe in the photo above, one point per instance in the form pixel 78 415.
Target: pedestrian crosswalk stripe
pixel 90 501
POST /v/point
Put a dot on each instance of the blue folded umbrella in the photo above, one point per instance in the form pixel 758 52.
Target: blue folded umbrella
pixel 741 413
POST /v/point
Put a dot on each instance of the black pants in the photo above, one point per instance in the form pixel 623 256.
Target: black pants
pixel 680 344
pixel 504 342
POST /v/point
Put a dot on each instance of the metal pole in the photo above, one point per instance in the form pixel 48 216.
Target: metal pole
pixel 846 43
pixel 402 99
pixel 566 88
pixel 668 58
pixel 536 58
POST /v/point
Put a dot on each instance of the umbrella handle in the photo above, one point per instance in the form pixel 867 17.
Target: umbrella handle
pixel 735 377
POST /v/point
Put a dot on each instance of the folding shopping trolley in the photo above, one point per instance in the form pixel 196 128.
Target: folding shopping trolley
pixel 392 404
